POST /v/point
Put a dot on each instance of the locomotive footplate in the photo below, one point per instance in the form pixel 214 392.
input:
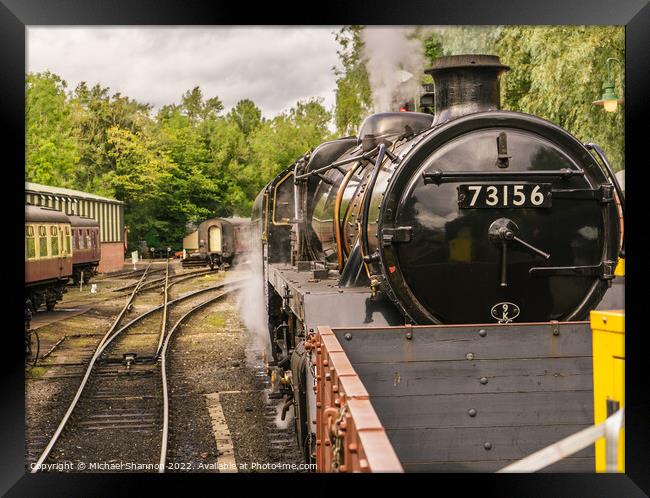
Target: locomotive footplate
pixel 454 398
pixel 316 301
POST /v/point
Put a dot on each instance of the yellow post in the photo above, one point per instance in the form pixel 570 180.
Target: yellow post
pixel 608 329
pixel 620 268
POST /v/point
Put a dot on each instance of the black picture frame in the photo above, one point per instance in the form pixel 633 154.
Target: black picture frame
pixel 16 14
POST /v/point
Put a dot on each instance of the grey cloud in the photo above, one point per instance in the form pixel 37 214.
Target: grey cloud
pixel 273 66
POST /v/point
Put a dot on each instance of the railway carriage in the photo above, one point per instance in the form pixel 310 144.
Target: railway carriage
pixel 48 256
pixel 427 283
pixel 86 250
pixel 241 238
pixel 216 242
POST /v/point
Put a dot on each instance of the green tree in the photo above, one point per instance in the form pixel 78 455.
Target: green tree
pixel 558 71
pixel 353 95
pixel 189 134
pixel 51 148
pixel 95 112
pixel 278 142
pixel 196 108
pixel 246 115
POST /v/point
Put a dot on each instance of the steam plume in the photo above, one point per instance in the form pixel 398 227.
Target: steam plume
pixel 252 303
pixel 395 66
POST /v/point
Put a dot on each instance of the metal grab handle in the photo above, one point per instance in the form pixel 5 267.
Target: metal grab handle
pixel 614 180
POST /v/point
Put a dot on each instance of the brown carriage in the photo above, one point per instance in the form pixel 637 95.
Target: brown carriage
pixel 48 256
pixel 86 250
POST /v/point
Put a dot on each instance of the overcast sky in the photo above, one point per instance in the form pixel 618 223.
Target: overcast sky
pixel 273 66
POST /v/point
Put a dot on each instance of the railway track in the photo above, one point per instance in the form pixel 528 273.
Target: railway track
pixel 124 389
pixel 132 273
pixel 173 279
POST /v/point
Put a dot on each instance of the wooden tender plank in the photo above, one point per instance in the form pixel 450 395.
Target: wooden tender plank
pixel 571 464
pixel 462 376
pixel 467 444
pixel 493 409
pixel 454 343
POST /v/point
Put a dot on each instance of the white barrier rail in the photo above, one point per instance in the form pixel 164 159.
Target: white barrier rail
pixel 609 429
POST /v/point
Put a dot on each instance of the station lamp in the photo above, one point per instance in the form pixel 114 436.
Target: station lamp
pixel 610 99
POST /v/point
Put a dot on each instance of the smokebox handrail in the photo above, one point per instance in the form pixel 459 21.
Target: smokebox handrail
pixel 336 164
pixel 365 207
pixel 617 186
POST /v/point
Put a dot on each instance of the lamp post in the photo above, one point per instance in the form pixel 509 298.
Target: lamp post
pixel 609 99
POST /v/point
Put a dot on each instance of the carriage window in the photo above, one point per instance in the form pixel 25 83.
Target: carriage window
pixel 94 238
pixel 54 240
pixel 82 240
pixel 31 242
pixel 42 241
pixel 68 239
pixel 88 244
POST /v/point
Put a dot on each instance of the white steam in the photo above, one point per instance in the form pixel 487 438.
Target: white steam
pixel 252 303
pixel 395 65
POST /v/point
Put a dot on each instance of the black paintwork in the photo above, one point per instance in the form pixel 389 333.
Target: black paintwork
pixel 387 127
pixel 449 272
pixel 465 84
pixel 431 261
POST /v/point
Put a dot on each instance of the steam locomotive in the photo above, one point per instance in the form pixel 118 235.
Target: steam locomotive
pixel 473 215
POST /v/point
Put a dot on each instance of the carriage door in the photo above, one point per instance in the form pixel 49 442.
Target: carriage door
pixel 214 239
pixel 55 247
pixel 94 233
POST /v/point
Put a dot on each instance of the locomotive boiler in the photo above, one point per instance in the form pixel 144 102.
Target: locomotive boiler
pixel 487 228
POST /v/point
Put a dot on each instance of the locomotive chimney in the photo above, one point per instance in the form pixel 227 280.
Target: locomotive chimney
pixel 465 84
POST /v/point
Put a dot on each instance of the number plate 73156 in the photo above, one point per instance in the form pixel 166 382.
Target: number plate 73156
pixel 505 195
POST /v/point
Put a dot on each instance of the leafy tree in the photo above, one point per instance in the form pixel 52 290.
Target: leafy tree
pixel 95 112
pixel 51 148
pixel 197 109
pixel 187 133
pixel 277 143
pixel 556 72
pixel 247 116
pixel 353 95
pixel 433 48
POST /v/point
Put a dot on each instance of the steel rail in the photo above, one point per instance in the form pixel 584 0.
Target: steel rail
pixel 100 347
pixel 197 292
pixel 104 343
pixel 179 278
pixel 130 273
pixel 173 301
pixel 163 371
pixel 163 325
